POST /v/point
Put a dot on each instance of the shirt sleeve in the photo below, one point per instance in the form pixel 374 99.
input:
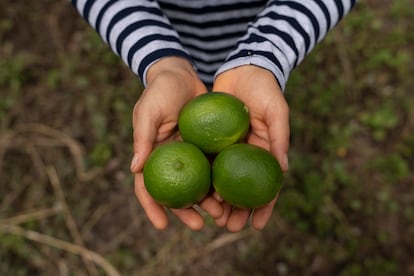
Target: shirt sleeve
pixel 136 30
pixel 284 33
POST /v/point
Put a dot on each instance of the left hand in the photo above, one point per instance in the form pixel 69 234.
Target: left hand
pixel 269 120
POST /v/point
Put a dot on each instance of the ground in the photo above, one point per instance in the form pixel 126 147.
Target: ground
pixel 67 205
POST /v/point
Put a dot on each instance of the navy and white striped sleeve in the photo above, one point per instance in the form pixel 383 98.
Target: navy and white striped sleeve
pixel 284 33
pixel 136 30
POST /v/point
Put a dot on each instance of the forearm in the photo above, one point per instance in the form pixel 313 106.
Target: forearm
pixel 136 30
pixel 284 33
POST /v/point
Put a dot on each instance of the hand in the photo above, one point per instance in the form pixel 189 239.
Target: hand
pixel 269 120
pixel 171 82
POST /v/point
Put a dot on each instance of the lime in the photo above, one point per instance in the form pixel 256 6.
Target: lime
pixel 213 121
pixel 177 174
pixel 246 176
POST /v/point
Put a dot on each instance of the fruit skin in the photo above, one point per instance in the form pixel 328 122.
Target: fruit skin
pixel 213 121
pixel 246 176
pixel 177 174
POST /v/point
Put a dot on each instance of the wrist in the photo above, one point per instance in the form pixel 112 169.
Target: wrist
pixel 243 77
pixel 170 65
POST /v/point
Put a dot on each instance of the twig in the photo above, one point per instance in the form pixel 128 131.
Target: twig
pixel 74 147
pixel 9 198
pixel 156 262
pixel 123 235
pixel 34 215
pixel 61 139
pixel 57 138
pixel 70 221
pixel 63 245
pixel 226 239
pixel 37 161
pixel 95 217
pixel 191 255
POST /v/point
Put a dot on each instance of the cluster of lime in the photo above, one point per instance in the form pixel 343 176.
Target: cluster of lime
pixel 178 174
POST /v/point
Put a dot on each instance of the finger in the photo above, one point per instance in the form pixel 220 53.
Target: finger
pixel 189 217
pixel 238 219
pixel 279 132
pixel 222 220
pixel 155 212
pixel 212 207
pixel 217 197
pixel 262 215
pixel 144 135
pixel 253 139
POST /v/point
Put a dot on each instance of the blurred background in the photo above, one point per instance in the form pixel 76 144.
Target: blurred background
pixel 67 205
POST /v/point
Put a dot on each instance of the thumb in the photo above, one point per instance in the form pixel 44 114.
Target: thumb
pixel 144 135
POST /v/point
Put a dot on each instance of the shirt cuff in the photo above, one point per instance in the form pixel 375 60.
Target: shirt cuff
pixel 155 56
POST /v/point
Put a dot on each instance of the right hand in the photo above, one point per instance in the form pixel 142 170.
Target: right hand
pixel 171 83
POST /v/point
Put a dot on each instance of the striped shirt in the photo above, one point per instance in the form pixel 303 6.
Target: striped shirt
pixel 215 35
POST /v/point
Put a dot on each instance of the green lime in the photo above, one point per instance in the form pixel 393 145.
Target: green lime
pixel 213 121
pixel 177 174
pixel 246 176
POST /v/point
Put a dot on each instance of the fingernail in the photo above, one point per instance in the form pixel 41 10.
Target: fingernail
pixel 217 197
pixel 134 163
pixel 286 162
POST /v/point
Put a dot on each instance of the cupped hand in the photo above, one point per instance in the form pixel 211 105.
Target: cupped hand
pixel 171 82
pixel 269 120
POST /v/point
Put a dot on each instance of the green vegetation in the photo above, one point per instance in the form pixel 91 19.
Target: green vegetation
pixel 347 205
